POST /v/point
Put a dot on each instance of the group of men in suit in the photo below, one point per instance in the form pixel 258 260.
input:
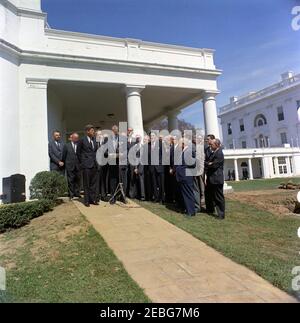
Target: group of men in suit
pixel 183 171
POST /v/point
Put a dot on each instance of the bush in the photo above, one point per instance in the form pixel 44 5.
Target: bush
pixel 48 185
pixel 20 214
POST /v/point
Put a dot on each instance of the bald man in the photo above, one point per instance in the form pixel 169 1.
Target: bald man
pixel 70 159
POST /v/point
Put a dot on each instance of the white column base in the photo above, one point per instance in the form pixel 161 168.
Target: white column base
pixel 228 189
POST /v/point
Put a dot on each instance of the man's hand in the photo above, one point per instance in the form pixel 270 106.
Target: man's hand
pixel 61 164
pixel 136 171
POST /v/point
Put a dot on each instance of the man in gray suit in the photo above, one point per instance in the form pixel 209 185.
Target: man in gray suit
pixel 55 149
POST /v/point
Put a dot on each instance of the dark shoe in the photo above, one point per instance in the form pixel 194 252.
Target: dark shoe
pixel 143 199
pixel 87 204
pixel 95 203
pixel 113 201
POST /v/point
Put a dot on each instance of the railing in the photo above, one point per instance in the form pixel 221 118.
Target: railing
pixel 260 94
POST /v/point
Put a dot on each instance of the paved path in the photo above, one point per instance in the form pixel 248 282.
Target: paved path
pixel 170 264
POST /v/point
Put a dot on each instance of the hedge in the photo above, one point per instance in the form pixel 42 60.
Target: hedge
pixel 17 215
pixel 48 186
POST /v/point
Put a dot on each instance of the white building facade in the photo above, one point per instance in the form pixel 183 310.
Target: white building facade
pixel 52 79
pixel 261 131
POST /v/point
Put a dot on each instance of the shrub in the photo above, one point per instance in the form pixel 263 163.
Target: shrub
pixel 20 214
pixel 48 185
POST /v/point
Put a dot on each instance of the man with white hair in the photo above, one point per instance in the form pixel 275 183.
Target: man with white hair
pixel 184 176
pixel 214 166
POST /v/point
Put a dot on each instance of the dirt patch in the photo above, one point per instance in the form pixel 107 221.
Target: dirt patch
pixel 58 226
pixel 277 202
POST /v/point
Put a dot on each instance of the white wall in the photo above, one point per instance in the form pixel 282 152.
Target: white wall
pixel 9 117
pixel 55 115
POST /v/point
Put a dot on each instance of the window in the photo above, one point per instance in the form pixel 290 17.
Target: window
pixel 280 114
pixel 262 141
pixel 244 144
pixel 230 146
pixel 274 167
pixel 283 138
pixel 282 165
pixel 229 129
pixel 242 126
pixel 260 120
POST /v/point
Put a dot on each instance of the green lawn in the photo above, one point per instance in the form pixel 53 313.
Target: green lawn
pixel 59 267
pixel 257 239
pixel 261 184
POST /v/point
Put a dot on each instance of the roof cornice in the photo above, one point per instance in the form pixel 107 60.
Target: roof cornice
pixel 78 35
pixel 45 57
pixel 23 11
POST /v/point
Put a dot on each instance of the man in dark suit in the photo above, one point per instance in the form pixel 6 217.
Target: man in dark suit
pixel 207 145
pixel 55 149
pixel 175 156
pixel 113 153
pixel 184 176
pixel 71 161
pixel 137 170
pixel 102 169
pixel 131 176
pixel 87 148
pixel 214 166
pixel 157 168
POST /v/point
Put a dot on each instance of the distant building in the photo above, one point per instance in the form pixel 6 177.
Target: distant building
pixel 263 129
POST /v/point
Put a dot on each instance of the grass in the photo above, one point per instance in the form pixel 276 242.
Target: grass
pixel 261 184
pixel 265 243
pixel 78 268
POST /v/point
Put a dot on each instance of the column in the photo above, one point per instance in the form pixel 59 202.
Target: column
pixel 210 114
pixel 236 170
pixel 33 128
pixel 266 167
pixel 250 169
pixel 173 120
pixel 276 166
pixel 134 109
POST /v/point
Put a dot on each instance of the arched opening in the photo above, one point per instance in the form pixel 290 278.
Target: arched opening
pixel 260 120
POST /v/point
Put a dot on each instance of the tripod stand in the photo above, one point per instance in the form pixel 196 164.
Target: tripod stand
pixel 119 192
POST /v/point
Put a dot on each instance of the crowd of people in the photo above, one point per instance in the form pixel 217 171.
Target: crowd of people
pixel 185 171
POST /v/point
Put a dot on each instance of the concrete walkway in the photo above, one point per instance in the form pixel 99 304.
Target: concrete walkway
pixel 170 264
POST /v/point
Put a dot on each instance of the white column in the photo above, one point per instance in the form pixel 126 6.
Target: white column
pixel 250 169
pixel 288 165
pixel 33 128
pixel 210 114
pixel 266 167
pixel 134 109
pixel 236 170
pixel 173 120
